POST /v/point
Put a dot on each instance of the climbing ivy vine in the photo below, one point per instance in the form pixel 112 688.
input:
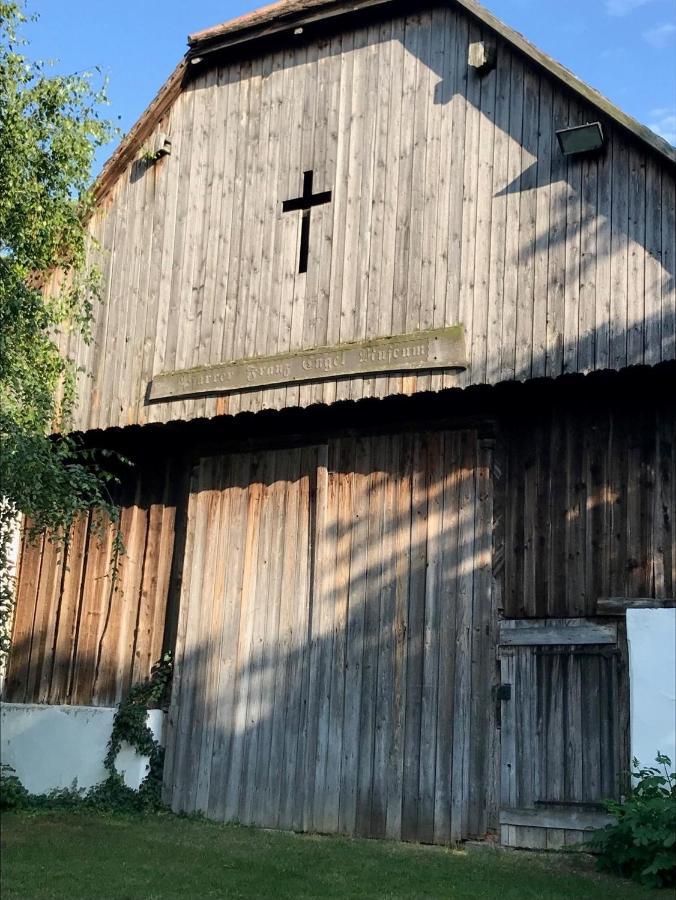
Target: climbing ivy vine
pixel 130 725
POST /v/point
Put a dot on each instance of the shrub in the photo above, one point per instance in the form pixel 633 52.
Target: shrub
pixel 641 844
pixel 13 795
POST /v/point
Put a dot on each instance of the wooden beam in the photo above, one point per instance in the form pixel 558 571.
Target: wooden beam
pixel 535 632
pixel 617 606
pixel 556 817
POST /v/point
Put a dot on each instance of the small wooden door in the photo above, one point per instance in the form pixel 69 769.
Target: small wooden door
pixel 564 710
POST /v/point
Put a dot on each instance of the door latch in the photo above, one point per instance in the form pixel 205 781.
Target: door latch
pixel 504 692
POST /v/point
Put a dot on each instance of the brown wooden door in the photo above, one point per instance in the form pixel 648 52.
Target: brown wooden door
pixel 336 648
pixel 564 728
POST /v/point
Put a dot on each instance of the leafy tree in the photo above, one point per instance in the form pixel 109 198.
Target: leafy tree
pixel 50 127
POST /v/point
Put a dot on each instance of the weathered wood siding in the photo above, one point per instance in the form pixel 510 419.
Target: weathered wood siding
pixel 79 637
pixel 336 647
pixel 451 204
pixel 589 508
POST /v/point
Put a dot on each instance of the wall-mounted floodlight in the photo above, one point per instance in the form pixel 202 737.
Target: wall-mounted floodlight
pixel 581 139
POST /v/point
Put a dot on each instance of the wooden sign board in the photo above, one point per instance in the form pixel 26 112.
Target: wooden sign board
pixel 442 348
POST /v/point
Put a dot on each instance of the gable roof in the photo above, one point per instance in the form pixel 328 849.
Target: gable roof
pixel 285 16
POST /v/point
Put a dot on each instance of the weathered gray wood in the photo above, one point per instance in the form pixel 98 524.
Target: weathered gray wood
pixel 617 606
pixel 527 632
pixel 326 682
pixel 569 488
pixel 563 739
pixel 200 265
pixel 555 817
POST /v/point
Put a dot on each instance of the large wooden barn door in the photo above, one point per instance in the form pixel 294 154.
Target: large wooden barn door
pixel 336 651
pixel 564 728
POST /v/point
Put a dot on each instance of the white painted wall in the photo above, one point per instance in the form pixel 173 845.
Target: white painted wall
pixel 57 746
pixel 652 670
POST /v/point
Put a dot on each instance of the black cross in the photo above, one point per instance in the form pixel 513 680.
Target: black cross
pixel 306 202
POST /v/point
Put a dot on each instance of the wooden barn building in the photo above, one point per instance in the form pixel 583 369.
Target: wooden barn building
pixel 390 340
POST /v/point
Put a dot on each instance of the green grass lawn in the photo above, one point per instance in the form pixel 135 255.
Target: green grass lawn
pixel 83 855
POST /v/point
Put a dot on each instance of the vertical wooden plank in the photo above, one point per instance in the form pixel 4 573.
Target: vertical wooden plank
pixel 233 533
pixel 373 577
pixel 115 324
pixel 603 260
pixel 46 614
pixel 193 651
pixel 370 89
pixel 265 811
pixel 589 225
pixel 402 551
pixel 321 631
pixel 405 185
pixel 315 311
pixel 470 195
pixel 457 92
pixel 422 147
pixel 297 727
pixel 541 236
pixel 231 349
pixel 95 595
pixel 68 610
pixel 180 146
pixel 514 169
pixel 527 248
pixel 500 196
pixel 287 600
pixel 653 261
pixel 342 463
pixel 444 26
pixel 414 662
pixel 253 674
pixel 483 645
pixel 386 300
pixel 508 759
pixel 180 676
pixel 382 101
pixel 384 748
pixel 463 619
pixel 429 645
pixel 636 243
pixel 24 616
pixel 571 314
pixel 205 710
pixel 355 638
pixel 450 487
pixel 668 343
pixel 483 249
pixel 557 244
pixel 618 250
pixel 233 85
pixel 329 99
pixel 355 172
